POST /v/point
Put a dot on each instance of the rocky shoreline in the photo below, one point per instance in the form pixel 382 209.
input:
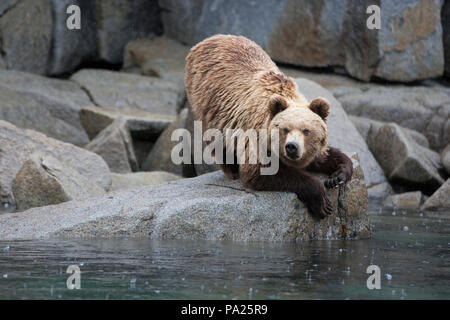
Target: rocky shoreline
pixel 88 154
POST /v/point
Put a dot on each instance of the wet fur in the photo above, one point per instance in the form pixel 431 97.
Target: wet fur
pixel 232 83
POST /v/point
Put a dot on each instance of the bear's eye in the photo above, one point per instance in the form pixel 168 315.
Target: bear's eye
pixel 306 132
pixel 286 130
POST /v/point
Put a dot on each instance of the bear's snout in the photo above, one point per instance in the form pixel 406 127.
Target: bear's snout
pixel 292 149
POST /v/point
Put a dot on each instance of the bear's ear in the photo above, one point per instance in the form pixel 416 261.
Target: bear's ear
pixel 277 104
pixel 320 106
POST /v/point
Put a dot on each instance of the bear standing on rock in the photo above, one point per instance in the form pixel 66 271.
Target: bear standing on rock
pixel 232 83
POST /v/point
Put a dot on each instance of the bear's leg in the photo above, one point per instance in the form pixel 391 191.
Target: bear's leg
pixel 230 170
pixel 336 164
pixel 308 188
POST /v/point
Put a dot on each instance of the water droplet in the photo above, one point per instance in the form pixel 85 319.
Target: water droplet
pixel 5 276
pixel 405 228
pixel 388 276
pixel 6 249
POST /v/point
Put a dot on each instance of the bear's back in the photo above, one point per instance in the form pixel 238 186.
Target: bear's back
pixel 221 80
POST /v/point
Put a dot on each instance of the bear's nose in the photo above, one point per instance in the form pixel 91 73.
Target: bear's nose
pixel 291 149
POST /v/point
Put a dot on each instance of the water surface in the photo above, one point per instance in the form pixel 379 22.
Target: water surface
pixel 411 249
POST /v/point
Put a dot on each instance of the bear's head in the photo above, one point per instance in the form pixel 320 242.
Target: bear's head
pixel 302 130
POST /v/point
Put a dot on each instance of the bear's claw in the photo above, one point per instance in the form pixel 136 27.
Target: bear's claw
pixel 325 210
pixel 338 178
pixel 333 182
pixel 328 207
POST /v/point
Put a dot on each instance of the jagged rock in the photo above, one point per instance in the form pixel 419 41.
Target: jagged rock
pixel 124 181
pixel 54 103
pixel 407 47
pixel 159 57
pixel 207 207
pixel 43 181
pixel 26 33
pixel 16 145
pixel 115 146
pixel 408 201
pixel 121 90
pixel 120 21
pixel 142 124
pixel 159 158
pixel 404 160
pixel 420 108
pixel 368 129
pixel 446 158
pixel 440 200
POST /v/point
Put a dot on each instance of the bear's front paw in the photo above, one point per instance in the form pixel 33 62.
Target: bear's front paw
pixel 338 178
pixel 323 210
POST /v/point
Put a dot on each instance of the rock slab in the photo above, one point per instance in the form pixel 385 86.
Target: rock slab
pixel 208 207
pixel 111 89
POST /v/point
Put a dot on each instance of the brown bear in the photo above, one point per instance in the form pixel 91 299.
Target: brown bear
pixel 232 83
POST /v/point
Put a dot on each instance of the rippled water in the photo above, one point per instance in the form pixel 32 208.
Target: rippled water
pixel 412 251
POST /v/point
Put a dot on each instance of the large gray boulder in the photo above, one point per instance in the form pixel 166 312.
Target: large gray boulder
pixel 16 145
pixel 404 160
pixel 35 37
pixel 209 207
pixel 121 90
pixel 54 103
pixel 71 47
pixel 120 21
pixel 114 144
pixel 407 47
pixel 43 181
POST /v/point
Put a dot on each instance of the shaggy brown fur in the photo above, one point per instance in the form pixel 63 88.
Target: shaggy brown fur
pixel 232 83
